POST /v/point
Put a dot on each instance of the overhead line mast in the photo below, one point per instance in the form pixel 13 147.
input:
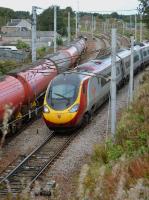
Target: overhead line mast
pixel 113 82
pixel 34 32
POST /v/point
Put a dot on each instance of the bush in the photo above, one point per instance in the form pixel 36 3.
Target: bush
pixel 100 154
pixel 41 52
pixel 22 45
pixel 6 66
pixel 59 41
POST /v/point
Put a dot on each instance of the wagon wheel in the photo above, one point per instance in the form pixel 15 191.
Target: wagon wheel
pixel 15 126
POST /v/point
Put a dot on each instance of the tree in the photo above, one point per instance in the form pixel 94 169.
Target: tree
pixel 45 21
pixel 114 15
pixel 144 9
pixel 22 15
pixel 5 15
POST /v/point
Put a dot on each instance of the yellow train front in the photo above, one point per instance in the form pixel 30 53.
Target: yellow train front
pixel 64 103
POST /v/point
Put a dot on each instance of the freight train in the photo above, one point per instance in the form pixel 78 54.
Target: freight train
pixel 21 92
pixel 72 97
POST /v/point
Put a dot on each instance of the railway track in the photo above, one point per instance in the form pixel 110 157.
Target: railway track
pixel 16 179
pixel 84 58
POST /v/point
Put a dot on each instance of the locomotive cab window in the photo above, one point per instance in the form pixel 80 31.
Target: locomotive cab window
pixel 62 92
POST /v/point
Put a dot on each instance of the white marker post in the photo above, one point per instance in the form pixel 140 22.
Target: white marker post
pixel 76 24
pixel 131 70
pixel 135 27
pixel 92 25
pixel 113 82
pixel 69 28
pixel 130 24
pixel 55 28
pixel 34 37
pixel 140 27
pixel 123 28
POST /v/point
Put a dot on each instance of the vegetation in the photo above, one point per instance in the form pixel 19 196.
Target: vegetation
pixel 45 21
pixel 22 45
pixel 6 66
pixel 62 20
pixel 144 9
pixel 41 52
pixel 6 14
pixel 119 169
pixel 59 41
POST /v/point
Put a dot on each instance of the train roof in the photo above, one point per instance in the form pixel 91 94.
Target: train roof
pixel 124 53
pixel 89 69
pixel 69 77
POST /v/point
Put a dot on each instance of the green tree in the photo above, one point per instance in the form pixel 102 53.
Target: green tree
pixel 114 15
pixel 45 21
pixel 5 15
pixel 144 9
pixel 22 15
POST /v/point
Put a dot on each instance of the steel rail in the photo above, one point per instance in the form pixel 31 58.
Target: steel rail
pixel 35 163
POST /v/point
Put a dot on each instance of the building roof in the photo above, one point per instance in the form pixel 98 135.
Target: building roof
pixel 28 34
pixel 15 22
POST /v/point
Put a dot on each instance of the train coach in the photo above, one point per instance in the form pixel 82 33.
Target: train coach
pixel 72 97
pixel 23 91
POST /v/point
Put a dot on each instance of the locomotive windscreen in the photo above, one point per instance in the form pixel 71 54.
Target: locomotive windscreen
pixel 63 91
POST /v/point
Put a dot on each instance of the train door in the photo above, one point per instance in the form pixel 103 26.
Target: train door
pixel 136 62
pixel 118 73
pixel 105 86
pixel 127 67
pixel 94 92
pixel 145 56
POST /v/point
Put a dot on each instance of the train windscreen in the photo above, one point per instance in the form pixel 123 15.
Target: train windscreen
pixel 62 94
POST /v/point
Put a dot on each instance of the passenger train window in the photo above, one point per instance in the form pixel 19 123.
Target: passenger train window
pixel 144 53
pixel 117 71
pixel 98 80
pixel 109 74
pixel 136 58
pixel 103 82
pixel 127 64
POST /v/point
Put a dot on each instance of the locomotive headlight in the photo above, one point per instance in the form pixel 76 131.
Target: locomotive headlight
pixel 45 109
pixel 74 108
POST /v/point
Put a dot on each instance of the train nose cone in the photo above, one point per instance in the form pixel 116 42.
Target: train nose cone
pixel 59 118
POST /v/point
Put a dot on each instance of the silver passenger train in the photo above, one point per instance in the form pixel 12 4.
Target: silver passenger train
pixel 72 97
